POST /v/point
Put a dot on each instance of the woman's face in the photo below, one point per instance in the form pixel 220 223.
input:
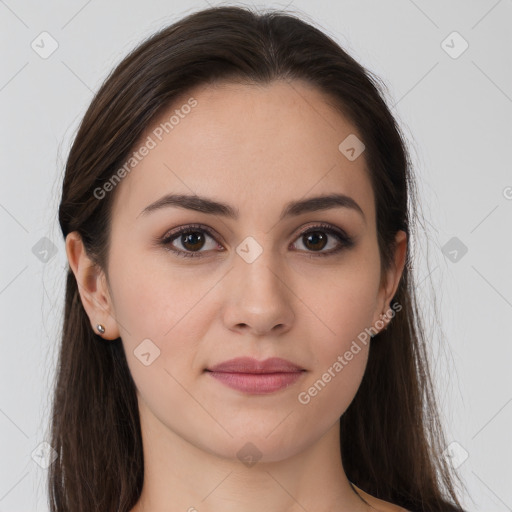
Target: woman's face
pixel 253 285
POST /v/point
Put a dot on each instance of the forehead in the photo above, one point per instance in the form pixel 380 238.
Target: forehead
pixel 253 146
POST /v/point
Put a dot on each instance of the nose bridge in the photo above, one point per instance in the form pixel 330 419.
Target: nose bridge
pixel 258 297
pixel 258 265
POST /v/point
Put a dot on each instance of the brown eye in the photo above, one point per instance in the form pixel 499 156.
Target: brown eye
pixel 317 238
pixel 192 240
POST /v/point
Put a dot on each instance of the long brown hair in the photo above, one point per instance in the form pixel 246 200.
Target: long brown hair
pixel 391 436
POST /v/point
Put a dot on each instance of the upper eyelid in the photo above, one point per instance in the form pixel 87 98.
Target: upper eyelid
pixel 176 232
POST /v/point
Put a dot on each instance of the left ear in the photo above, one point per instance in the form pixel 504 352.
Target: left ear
pixel 392 277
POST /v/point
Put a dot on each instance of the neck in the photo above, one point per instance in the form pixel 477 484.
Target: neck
pixel 180 476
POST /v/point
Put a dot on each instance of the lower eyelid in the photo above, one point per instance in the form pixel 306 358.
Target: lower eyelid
pixel 169 239
pixel 344 241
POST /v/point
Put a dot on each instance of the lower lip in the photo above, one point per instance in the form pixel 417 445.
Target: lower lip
pixel 257 383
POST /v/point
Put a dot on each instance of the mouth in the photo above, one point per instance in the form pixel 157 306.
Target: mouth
pixel 256 377
pixel 257 383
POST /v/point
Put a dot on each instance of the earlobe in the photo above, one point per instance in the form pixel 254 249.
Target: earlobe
pixel 92 287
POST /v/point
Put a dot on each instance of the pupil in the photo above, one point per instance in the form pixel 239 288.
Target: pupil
pixel 195 239
pixel 189 239
pixel 315 237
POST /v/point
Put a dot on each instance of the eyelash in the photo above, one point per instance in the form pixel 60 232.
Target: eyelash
pixel 345 241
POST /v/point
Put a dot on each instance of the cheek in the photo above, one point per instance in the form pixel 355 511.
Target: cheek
pixel 327 394
pixel 338 363
pixel 341 337
pixel 162 318
pixel 343 349
pixel 153 300
pixel 345 307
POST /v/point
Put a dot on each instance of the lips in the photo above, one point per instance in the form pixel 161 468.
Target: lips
pixel 256 377
pixel 250 365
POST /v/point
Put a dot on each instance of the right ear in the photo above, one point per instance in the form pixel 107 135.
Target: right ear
pixel 92 287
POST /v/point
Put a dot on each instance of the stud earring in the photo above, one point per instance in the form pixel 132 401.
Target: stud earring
pixel 100 328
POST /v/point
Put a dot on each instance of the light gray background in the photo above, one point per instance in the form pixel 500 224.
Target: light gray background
pixel 456 113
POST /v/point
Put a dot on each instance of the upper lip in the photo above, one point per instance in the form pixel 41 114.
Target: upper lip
pixel 251 365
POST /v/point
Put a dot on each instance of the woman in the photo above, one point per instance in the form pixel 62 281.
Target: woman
pixel 241 331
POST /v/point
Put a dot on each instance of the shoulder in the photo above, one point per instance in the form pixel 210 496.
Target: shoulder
pixel 380 505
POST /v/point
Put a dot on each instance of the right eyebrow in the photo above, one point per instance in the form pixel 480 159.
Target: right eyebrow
pixel 293 208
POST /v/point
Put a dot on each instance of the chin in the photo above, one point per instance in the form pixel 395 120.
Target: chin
pixel 257 444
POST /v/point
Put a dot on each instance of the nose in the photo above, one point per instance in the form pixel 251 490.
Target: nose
pixel 258 300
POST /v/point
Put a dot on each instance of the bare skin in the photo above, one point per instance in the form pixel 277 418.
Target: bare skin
pixel 255 148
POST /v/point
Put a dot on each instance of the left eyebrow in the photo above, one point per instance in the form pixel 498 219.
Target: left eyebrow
pixel 293 208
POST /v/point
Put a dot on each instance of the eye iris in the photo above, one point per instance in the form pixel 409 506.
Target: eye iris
pixel 314 237
pixel 192 238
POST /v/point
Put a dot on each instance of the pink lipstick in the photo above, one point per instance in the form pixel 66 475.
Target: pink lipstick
pixel 256 377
